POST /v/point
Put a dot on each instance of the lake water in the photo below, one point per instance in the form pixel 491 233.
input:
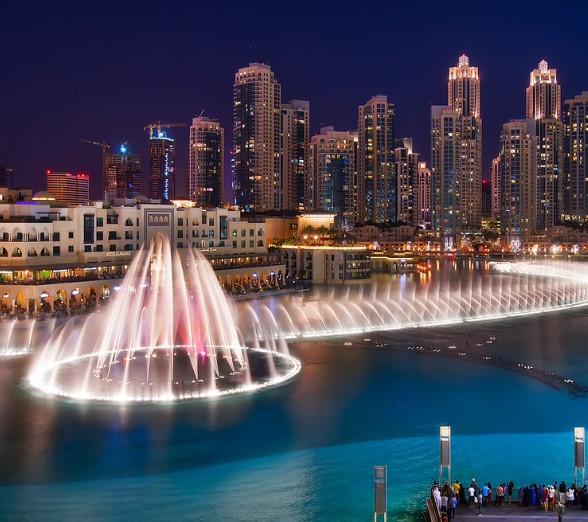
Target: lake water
pixel 304 451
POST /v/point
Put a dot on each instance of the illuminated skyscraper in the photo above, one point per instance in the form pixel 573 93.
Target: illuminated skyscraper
pixel 122 174
pixel 517 164
pixel 162 165
pixel 576 155
pixel 463 95
pixel 257 98
pixel 295 137
pixel 376 174
pixel 332 180
pixel 495 185
pixel 544 106
pixel 73 189
pixel 6 177
pixel 424 195
pixel 407 166
pixel 445 174
pixel 456 156
pixel 206 175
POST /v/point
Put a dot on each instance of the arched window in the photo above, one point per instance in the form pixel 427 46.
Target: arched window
pixel 129 222
pixel 17 252
pixel 45 252
pixel 3 252
pixel 32 252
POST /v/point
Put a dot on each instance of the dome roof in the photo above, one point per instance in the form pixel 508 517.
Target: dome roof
pixel 43 195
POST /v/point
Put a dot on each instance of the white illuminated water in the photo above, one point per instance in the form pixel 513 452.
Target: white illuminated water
pixel 169 334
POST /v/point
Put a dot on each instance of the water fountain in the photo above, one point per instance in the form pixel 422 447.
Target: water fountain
pixel 511 289
pixel 18 339
pixel 170 334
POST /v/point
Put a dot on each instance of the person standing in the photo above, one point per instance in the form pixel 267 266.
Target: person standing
pixel 562 492
pixel 480 504
pixel 510 487
pixel 452 506
pixel 471 496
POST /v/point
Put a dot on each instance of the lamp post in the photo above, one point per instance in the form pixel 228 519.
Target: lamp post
pixel 444 452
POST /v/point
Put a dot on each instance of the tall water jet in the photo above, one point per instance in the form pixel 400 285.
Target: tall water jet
pixel 170 334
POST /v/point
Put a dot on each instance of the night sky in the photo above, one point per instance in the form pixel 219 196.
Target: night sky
pixel 102 71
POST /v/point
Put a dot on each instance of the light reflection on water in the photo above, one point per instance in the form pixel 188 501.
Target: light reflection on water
pixel 305 450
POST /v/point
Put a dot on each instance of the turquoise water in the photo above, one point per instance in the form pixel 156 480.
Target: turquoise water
pixel 305 451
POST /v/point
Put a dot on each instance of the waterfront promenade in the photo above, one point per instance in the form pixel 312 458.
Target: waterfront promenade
pixel 515 512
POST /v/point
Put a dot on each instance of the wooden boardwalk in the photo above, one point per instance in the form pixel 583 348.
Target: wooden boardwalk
pixel 515 512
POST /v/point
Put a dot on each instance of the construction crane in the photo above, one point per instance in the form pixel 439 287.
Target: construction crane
pixel 155 128
pixel 105 146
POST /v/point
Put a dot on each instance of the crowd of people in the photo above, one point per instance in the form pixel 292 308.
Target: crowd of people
pixel 545 496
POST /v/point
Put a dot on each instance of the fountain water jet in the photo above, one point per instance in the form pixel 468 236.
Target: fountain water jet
pixel 170 334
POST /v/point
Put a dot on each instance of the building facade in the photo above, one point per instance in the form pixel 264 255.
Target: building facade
pixel 162 166
pixel 257 99
pixel 73 189
pixel 295 134
pixel 463 95
pixel 206 169
pixel 424 195
pixel 544 107
pixel 575 204
pixel 332 181
pixel 376 174
pixel 122 174
pixel 495 187
pixel 407 166
pixel 517 175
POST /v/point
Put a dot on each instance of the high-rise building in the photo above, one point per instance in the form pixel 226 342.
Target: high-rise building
pixel 206 174
pixel 376 174
pixel 122 174
pixel 407 167
pixel 445 174
pixel 295 136
pixel 6 177
pixel 517 164
pixel 575 207
pixel 486 199
pixel 73 189
pixel 332 181
pixel 257 98
pixel 495 187
pixel 544 106
pixel 162 165
pixel 424 195
pixel 463 95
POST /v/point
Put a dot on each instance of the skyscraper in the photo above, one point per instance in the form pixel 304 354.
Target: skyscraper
pixel 206 174
pixel 406 165
pixel 495 187
pixel 295 137
pixel 73 189
pixel 257 97
pixel 517 164
pixel 456 155
pixel 463 95
pixel 122 174
pixel 424 195
pixel 576 155
pixel 376 175
pixel 332 174
pixel 544 106
pixel 162 165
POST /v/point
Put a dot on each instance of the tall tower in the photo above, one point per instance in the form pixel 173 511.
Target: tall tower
pixel 257 97
pixel 206 175
pixel 544 106
pixel 295 137
pixel 446 164
pixel 495 187
pixel 376 175
pixel 162 165
pixel 332 179
pixel 407 165
pixel 424 195
pixel 517 164
pixel 122 174
pixel 6 177
pixel 463 95
pixel 576 155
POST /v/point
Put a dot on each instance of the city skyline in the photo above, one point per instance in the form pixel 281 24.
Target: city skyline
pixel 74 85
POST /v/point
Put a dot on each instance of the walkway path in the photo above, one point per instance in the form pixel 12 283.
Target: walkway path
pixel 515 512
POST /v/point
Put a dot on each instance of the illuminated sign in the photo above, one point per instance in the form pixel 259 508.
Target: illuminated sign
pixel 118 254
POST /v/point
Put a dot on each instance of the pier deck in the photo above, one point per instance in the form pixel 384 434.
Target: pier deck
pixel 515 512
